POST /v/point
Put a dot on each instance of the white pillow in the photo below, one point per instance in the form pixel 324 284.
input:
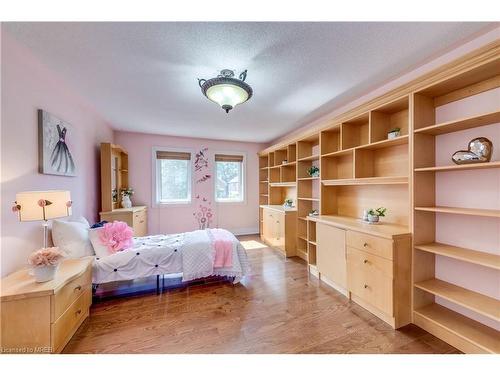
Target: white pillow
pixel 82 220
pixel 72 238
pixel 100 249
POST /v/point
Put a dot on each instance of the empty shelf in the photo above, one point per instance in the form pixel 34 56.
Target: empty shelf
pixel 461 211
pixel 484 305
pixel 461 124
pixel 460 253
pixel 464 333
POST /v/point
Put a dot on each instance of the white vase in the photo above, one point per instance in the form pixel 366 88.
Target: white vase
pixel 126 202
pixel 44 273
pixel 373 218
pixel 393 135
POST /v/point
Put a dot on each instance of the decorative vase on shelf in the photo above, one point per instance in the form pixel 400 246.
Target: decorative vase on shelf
pixel 126 202
pixel 373 218
pixel 394 133
pixel 45 273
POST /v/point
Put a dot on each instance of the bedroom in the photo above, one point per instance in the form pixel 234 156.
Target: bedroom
pixel 237 188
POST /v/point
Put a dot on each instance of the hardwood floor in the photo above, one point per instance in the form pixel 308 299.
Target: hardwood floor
pixel 277 309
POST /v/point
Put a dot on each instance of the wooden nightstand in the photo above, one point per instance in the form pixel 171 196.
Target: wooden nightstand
pixel 42 317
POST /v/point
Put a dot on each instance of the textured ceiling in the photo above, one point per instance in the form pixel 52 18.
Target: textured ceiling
pixel 142 76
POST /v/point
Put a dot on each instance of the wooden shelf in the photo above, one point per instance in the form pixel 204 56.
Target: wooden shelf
pixel 462 167
pixel 302 238
pixel 307 178
pixel 367 181
pixel 308 158
pixel 461 124
pixel 283 184
pixel 467 334
pixel 290 163
pixel 264 195
pixel 263 168
pixel 461 211
pixel 466 255
pixel 264 181
pixel 401 140
pixel 312 242
pixel 302 218
pixel 338 153
pixel 309 199
pixel 484 305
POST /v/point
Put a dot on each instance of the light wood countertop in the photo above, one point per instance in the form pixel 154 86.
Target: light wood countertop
pixel 385 230
pixel 278 207
pixel 21 284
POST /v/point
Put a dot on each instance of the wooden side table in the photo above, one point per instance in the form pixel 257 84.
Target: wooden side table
pixel 42 317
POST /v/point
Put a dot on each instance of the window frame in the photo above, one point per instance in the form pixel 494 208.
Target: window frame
pixel 156 181
pixel 242 201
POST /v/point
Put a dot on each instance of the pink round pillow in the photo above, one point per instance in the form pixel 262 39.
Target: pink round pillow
pixel 116 236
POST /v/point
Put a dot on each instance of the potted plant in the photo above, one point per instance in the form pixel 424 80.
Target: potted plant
pixel 313 171
pixel 288 202
pixel 394 133
pixel 375 215
pixel 126 194
pixel 314 213
pixel 45 262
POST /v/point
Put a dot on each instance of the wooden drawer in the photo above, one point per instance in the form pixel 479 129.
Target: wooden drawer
pixel 372 286
pixel 68 294
pixel 64 327
pixel 370 262
pixel 371 244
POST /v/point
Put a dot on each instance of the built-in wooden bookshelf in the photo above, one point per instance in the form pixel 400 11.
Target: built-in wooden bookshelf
pixel 464 332
pixel 361 168
pixel 308 154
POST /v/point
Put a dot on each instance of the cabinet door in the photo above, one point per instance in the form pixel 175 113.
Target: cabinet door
pixel 267 226
pixel 331 253
pixel 280 231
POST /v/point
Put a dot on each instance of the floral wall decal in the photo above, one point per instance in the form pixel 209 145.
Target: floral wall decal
pixel 204 214
pixel 201 160
pixel 203 179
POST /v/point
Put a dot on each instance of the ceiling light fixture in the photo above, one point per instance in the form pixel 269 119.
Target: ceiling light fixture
pixel 225 90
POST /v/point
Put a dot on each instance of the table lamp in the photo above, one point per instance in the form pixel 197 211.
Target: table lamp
pixel 42 205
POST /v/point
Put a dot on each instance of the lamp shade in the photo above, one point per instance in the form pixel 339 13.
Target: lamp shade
pixel 43 205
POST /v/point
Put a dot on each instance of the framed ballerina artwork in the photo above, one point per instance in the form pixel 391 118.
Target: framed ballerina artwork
pixel 54 145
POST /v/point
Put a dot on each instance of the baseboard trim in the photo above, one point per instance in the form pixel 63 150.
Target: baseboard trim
pixel 244 231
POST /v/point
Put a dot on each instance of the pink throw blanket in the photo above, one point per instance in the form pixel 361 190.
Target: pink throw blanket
pixel 223 245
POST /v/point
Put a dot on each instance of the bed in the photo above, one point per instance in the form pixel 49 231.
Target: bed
pixel 190 254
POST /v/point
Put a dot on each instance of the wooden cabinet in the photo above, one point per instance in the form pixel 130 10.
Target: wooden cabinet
pixel 331 255
pixel 42 317
pixel 135 217
pixel 279 228
pixel 370 264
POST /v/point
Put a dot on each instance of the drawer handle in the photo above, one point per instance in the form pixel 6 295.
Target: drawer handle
pixel 79 311
pixel 79 287
pixel 366 286
pixel 142 221
pixel 365 245
pixel 365 261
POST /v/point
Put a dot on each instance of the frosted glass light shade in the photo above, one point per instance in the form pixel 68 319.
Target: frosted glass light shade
pixel 227 94
pixel 43 205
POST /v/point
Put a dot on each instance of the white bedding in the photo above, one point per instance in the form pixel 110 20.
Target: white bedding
pixel 190 254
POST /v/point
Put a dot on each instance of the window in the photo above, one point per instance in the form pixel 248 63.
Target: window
pixel 173 177
pixel 229 181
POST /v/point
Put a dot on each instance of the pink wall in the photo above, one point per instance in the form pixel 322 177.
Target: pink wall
pixel 27 85
pixel 238 217
pixel 472 189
